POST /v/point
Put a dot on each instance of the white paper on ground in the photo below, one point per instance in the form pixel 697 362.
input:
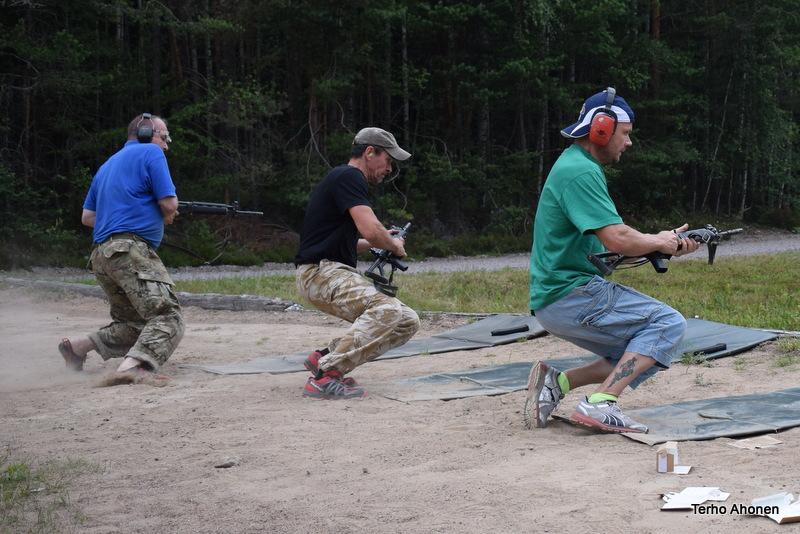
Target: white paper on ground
pixel 682 469
pixel 760 442
pixel 788 511
pixel 693 495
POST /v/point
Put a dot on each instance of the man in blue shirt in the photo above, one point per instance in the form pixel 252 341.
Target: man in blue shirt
pixel 130 199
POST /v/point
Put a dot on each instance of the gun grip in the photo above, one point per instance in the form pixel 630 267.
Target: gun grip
pixel 712 252
pixel 659 262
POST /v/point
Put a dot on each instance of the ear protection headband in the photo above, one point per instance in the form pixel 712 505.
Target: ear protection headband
pixel 144 132
pixel 604 121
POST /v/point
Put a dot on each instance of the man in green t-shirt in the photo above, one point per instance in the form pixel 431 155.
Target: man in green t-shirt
pixel 634 334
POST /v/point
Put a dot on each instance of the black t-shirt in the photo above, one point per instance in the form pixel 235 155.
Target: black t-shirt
pixel 329 232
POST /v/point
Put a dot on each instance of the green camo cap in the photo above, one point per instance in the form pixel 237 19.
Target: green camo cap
pixel 383 139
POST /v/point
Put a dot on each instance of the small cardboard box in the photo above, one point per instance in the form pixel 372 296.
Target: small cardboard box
pixel 667 457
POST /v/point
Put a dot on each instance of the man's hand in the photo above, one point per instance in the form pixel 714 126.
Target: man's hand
pixel 401 251
pixel 169 208
pixel 674 245
pixel 374 232
pixel 169 219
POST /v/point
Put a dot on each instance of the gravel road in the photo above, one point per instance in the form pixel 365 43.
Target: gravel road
pixel 752 242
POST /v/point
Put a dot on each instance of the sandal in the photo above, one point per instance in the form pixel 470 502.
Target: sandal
pixel 72 360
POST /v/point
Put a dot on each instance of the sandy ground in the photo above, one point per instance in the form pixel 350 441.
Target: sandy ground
pixel 374 465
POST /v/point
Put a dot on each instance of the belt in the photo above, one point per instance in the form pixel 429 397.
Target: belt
pixel 124 235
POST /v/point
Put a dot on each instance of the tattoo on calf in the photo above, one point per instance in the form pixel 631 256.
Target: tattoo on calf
pixel 625 370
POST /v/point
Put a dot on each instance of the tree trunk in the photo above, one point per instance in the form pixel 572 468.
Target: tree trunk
pixel 540 146
pixel 406 113
pixel 744 192
pixel 387 77
pixel 655 35
pixel 156 65
pixel 719 140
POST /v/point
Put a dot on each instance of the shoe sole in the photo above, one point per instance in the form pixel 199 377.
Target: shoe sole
pixel 313 369
pixel 531 410
pixel 588 422
pixel 318 396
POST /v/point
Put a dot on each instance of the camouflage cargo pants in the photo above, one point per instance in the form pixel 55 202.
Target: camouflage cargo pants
pixel 147 322
pixel 380 322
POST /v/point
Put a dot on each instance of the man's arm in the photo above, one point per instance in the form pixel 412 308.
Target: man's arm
pixel 375 234
pixel 169 208
pixel 628 241
pixel 363 245
pixel 88 218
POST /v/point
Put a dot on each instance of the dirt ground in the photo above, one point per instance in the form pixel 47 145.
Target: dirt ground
pixel 374 465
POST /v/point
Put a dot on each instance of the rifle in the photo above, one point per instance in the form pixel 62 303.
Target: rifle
pixel 382 257
pixel 607 262
pixel 212 208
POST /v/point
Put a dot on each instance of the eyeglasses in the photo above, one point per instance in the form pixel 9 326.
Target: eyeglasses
pixel 164 135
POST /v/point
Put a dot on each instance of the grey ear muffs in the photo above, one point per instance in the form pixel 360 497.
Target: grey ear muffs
pixel 144 132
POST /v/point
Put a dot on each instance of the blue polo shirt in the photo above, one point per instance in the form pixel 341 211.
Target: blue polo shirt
pixel 126 190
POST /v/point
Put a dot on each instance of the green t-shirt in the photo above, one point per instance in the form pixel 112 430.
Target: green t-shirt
pixel 574 203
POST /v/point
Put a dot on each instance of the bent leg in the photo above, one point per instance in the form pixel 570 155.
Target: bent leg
pixel 116 339
pixel 164 327
pixel 594 372
pixel 148 323
pixel 631 331
pixel 379 322
pixel 628 369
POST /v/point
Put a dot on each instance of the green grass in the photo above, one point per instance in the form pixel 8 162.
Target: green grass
pixel 694 358
pixel 36 498
pixel 757 291
pixel 279 286
pixel 789 349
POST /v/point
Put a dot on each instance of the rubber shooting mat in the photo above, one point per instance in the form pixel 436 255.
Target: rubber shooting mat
pixel 488 332
pixel 704 339
pixel 721 417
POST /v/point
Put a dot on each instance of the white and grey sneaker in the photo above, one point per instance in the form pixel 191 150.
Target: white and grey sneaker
pixel 606 417
pixel 544 394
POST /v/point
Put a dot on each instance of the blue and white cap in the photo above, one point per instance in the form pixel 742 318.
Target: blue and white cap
pixel 592 104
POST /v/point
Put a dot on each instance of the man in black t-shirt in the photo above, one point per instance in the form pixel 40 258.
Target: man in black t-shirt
pixel 338 211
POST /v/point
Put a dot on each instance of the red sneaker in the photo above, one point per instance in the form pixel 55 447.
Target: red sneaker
pixel 312 362
pixel 312 365
pixel 330 388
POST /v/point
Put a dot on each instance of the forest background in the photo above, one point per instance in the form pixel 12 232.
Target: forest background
pixel 263 97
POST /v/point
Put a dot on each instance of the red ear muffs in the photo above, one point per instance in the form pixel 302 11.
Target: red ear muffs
pixel 604 124
pixel 604 121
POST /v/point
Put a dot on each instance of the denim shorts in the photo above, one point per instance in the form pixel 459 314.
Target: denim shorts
pixel 610 319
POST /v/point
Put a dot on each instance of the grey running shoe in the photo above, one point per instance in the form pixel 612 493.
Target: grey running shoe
pixel 544 394
pixel 606 417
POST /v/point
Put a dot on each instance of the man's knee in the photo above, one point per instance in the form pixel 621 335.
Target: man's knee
pixel 674 321
pixel 180 325
pixel 409 320
pixel 396 315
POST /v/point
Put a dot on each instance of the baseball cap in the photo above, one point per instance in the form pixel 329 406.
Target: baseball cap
pixel 592 104
pixel 383 139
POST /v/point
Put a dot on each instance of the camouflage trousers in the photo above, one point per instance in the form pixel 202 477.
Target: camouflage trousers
pixel 380 322
pixel 146 317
